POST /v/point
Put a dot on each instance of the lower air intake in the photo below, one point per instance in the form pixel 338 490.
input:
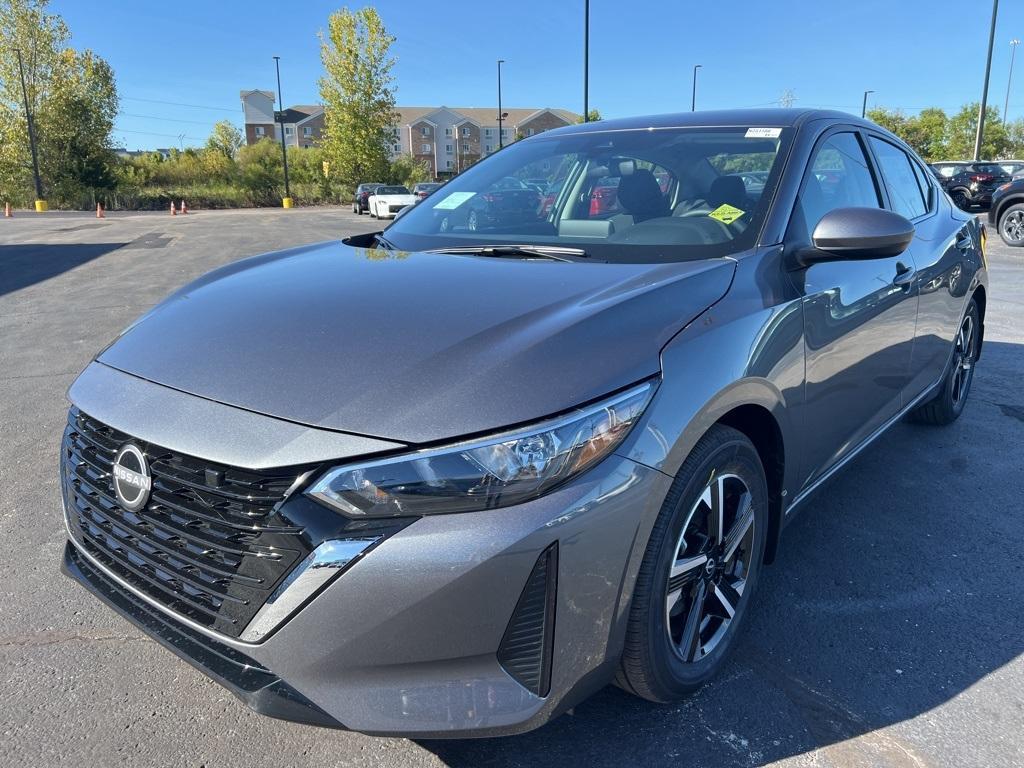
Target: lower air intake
pixel 526 648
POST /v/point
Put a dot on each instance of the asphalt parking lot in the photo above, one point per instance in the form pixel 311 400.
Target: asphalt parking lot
pixel 890 631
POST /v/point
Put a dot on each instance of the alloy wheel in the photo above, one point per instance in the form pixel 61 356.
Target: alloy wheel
pixel 963 360
pixel 708 575
pixel 1013 226
pixel 960 200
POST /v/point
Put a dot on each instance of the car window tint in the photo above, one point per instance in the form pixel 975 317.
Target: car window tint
pixel 839 177
pixel 904 191
pixel 926 186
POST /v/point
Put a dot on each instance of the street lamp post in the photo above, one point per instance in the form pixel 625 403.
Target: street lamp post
pixel 501 115
pixel 40 202
pixel 586 60
pixel 287 202
pixel 1013 50
pixel 984 89
pixel 693 97
pixel 864 104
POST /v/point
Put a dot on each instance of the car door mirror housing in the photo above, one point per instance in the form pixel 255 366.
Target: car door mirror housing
pixel 858 233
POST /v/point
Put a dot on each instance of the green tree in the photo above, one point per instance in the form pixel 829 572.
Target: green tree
pixel 592 117
pixel 73 98
pixel 225 138
pixel 407 170
pixel 358 95
pixel 925 132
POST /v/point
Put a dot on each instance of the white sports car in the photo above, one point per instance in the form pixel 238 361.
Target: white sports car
pixel 386 202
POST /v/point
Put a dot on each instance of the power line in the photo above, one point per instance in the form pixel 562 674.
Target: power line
pixel 180 104
pixel 164 135
pixel 167 119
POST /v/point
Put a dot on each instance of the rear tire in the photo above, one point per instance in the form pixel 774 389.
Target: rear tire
pixel 960 200
pixel 1011 226
pixel 947 405
pixel 691 594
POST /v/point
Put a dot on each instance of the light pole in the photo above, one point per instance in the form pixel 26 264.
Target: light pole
pixel 984 88
pixel 40 202
pixel 1013 50
pixel 501 115
pixel 864 104
pixel 287 202
pixel 693 98
pixel 586 60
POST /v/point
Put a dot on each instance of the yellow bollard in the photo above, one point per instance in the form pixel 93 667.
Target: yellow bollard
pixel 41 206
pixel 287 202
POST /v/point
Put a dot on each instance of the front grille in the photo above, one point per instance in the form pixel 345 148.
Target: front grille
pixel 395 208
pixel 210 543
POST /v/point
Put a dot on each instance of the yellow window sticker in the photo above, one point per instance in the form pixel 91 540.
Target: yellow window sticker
pixel 726 214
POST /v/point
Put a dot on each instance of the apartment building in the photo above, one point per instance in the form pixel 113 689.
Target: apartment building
pixel 303 123
pixel 447 139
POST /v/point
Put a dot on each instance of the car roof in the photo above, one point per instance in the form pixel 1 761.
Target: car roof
pixel 776 118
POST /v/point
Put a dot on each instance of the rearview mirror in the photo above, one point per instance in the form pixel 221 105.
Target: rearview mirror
pixel 858 233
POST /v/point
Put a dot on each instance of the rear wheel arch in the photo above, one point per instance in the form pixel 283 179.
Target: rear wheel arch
pixel 981 299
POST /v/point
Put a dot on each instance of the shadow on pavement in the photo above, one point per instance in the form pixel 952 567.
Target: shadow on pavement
pixel 895 590
pixel 25 265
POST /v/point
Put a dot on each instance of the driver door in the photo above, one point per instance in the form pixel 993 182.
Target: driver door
pixel 859 315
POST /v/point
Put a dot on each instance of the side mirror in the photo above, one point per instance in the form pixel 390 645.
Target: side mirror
pixel 858 233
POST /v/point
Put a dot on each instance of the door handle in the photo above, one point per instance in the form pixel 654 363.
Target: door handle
pixel 904 276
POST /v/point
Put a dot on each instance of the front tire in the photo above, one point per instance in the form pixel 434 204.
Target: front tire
pixel 1011 226
pixel 949 402
pixel 960 200
pixel 699 571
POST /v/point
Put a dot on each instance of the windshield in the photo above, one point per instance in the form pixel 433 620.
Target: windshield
pixel 633 195
pixel 392 191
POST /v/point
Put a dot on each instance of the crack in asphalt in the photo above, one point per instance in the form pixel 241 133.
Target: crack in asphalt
pixel 45 638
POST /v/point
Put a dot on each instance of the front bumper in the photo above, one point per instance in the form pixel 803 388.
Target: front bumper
pixel 406 641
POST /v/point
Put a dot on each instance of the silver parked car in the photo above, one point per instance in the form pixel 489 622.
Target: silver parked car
pixel 448 480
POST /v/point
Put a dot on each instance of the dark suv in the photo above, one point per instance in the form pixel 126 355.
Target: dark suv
pixel 1006 213
pixel 973 184
pixel 361 202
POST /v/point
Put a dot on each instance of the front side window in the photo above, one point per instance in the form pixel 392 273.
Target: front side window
pixel 904 189
pixel 635 195
pixel 839 177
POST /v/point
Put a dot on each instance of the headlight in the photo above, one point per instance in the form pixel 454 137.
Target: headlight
pixel 485 474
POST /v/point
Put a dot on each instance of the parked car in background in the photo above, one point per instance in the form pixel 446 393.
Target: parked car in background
pixel 506 201
pixel 1012 167
pixel 424 188
pixel 604 196
pixel 361 203
pixel 455 489
pixel 945 170
pixel 972 184
pixel 387 201
pixel 1006 213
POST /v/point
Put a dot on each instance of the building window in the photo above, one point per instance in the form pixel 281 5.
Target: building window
pixel 394 132
pixel 260 131
pixel 447 131
pixel 529 131
pixel 489 147
pixel 448 148
pixel 465 147
pixel 425 149
pixel 448 164
pixel 465 131
pixel 425 130
pixel 398 148
pixel 307 131
pixel 288 130
pixel 488 131
pixel 504 132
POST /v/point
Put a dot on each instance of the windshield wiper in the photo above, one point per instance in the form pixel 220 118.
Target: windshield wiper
pixel 555 252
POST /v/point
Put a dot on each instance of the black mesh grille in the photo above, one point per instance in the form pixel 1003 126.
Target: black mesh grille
pixel 525 650
pixel 209 544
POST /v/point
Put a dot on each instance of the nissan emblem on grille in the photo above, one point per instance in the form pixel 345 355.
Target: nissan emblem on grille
pixel 131 478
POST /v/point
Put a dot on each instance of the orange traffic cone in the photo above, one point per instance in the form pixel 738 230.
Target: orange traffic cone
pixel 99 212
pixel 7 211
pixel 173 211
pixel 184 210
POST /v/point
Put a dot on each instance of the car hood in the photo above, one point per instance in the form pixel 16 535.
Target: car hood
pixel 415 347
pixel 397 199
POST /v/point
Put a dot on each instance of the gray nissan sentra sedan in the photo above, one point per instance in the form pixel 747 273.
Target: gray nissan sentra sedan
pixel 450 479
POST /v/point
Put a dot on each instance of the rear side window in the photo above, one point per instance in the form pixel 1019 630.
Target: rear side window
pixel 900 180
pixel 839 177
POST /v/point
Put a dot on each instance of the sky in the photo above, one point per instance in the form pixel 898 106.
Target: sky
pixel 180 64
